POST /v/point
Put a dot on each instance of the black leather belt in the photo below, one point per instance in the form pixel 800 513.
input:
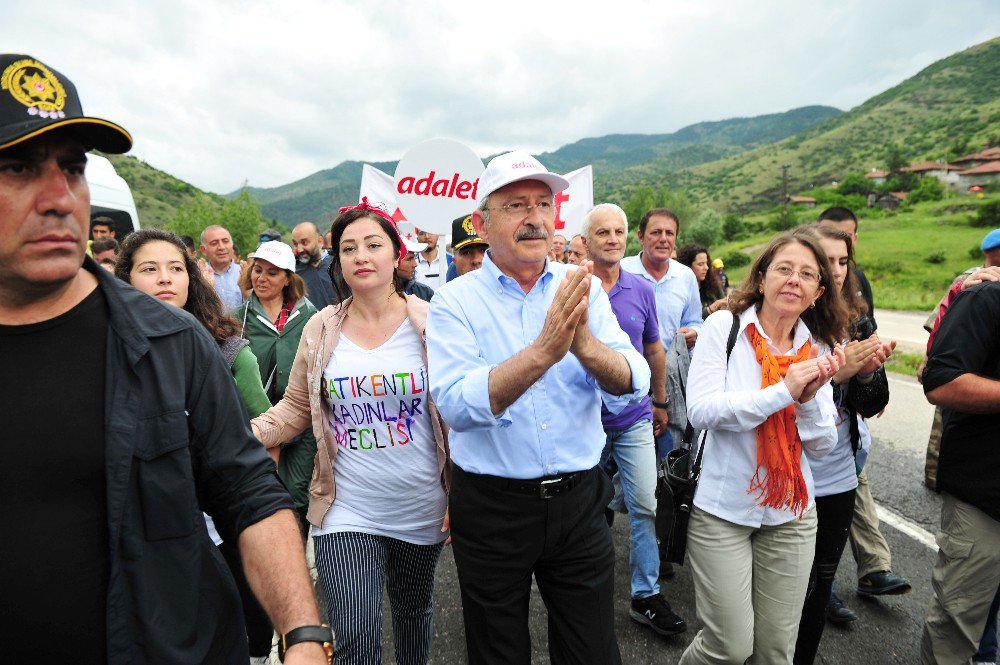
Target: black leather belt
pixel 544 488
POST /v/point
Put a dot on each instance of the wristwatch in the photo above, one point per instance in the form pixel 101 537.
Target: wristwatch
pixel 660 405
pixel 321 634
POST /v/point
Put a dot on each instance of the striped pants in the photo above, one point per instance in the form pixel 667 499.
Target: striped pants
pixel 354 568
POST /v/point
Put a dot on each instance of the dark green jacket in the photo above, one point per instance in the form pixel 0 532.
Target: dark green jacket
pixel 275 353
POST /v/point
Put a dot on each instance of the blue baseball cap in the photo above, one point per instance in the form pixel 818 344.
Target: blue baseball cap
pixel 991 241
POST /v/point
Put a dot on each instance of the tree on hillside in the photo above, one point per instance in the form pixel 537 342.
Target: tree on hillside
pixel 732 227
pixel 960 147
pixel 855 183
pixel 646 198
pixel 929 189
pixel 706 230
pixel 241 216
pixel 894 158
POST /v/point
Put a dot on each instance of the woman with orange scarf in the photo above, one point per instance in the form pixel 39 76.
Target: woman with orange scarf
pixel 752 532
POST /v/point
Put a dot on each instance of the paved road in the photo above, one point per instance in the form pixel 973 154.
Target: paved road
pixel 889 630
pixel 904 327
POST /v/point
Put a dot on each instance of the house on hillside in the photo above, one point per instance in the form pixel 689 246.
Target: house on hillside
pixel 984 175
pixel 888 201
pixel 807 201
pixel 877 176
pixel 946 173
pixel 978 158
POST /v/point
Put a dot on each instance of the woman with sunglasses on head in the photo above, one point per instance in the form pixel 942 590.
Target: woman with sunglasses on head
pixel 378 493
pixel 753 526
pixel 156 263
pixel 860 389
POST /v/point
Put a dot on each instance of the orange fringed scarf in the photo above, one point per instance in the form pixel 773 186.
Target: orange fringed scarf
pixel 779 449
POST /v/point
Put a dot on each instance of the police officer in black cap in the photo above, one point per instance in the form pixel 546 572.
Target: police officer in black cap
pixel 467 246
pixel 122 425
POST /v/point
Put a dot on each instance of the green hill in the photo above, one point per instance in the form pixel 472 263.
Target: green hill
pixel 949 108
pixel 158 195
pixel 694 144
pixel 317 196
pixel 910 255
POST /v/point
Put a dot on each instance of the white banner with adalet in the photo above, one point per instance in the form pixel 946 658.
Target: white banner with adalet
pixel 381 189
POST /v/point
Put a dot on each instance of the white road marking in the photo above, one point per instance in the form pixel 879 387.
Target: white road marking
pixel 911 529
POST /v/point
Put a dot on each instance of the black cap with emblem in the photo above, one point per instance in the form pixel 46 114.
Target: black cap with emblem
pixel 464 234
pixel 35 99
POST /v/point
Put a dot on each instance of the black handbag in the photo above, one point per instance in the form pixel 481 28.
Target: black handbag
pixel 677 482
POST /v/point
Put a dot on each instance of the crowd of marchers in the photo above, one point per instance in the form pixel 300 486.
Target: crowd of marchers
pixel 507 394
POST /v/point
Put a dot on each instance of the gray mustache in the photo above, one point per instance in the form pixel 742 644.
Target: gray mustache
pixel 532 233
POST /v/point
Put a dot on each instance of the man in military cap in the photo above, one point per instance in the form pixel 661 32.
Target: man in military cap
pixel 468 246
pixel 106 555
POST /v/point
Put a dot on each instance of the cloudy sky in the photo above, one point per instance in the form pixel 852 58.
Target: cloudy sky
pixel 220 93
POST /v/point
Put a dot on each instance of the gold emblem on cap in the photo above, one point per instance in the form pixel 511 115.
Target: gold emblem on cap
pixel 467 225
pixel 31 83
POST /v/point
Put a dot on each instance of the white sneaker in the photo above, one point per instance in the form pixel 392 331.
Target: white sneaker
pixel 260 660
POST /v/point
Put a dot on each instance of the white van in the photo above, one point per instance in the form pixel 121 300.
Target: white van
pixel 110 196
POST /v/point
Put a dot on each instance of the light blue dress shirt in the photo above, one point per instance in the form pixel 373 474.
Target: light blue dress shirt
pixel 228 287
pixel 678 303
pixel 482 319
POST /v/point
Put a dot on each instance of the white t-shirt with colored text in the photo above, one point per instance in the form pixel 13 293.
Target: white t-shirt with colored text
pixel 386 469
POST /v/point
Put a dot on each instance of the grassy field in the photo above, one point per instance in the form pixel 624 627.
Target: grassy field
pixel 904 363
pixel 910 256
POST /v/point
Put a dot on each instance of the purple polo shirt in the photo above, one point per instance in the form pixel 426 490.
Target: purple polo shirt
pixel 634 304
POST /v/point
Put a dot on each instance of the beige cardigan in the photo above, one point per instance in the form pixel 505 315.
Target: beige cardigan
pixel 302 402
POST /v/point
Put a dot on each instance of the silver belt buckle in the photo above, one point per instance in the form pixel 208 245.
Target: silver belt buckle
pixel 546 487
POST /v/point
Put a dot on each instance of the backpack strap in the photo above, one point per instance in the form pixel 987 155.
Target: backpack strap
pixel 734 330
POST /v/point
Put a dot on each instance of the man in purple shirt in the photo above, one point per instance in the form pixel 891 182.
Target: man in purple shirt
pixel 630 432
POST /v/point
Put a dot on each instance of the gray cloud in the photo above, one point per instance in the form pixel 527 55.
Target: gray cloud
pixel 226 92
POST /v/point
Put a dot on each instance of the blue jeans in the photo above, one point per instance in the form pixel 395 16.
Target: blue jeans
pixel 634 453
pixel 664 444
pixel 988 644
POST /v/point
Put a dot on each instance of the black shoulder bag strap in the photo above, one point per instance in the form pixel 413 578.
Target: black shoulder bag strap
pixel 689 432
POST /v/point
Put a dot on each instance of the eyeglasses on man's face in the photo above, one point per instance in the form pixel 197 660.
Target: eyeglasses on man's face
pixel 520 209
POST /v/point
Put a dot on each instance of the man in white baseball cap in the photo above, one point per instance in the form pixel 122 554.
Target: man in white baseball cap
pixel 521 355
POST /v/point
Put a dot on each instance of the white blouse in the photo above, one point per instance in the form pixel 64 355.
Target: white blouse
pixel 731 404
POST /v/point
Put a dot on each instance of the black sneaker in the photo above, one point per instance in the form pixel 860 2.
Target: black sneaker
pixel 838 613
pixel 883 583
pixel 655 612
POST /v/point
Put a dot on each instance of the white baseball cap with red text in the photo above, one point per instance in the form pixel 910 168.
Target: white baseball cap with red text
pixel 516 166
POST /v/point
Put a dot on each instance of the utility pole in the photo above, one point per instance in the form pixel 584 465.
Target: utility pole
pixel 784 195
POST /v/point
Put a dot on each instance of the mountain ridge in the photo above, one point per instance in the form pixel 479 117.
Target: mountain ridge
pixel 319 194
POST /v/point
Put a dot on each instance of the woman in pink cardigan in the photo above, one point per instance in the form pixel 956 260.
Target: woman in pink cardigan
pixel 378 502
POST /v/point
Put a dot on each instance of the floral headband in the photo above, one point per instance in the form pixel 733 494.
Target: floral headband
pixel 364 205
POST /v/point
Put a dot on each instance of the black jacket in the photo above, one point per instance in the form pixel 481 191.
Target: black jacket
pixel 177 442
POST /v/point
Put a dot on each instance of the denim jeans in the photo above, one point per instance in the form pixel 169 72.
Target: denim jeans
pixel 634 453
pixel 664 444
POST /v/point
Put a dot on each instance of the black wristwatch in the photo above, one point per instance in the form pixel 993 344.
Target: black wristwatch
pixel 321 634
pixel 660 405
